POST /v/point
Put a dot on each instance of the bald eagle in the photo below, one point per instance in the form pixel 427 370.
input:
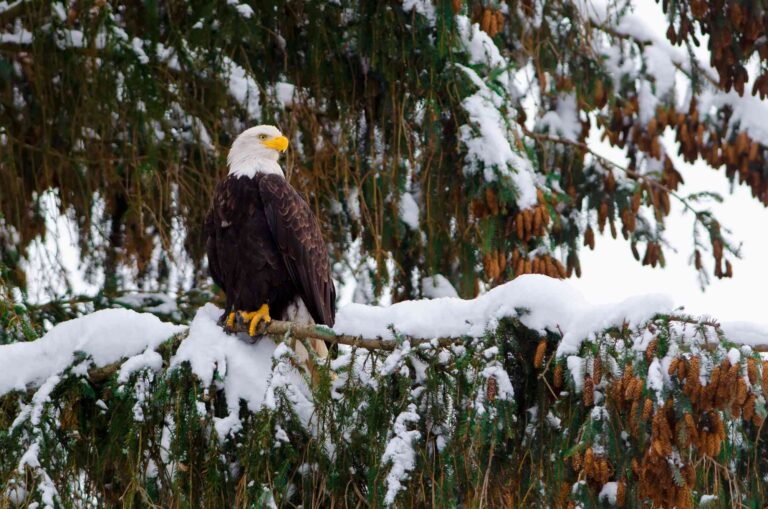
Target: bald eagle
pixel 265 248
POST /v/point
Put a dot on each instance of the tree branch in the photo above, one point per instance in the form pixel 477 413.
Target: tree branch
pixel 699 216
pixel 281 331
pixel 12 11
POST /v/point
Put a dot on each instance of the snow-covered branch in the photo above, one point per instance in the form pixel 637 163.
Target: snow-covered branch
pixel 410 388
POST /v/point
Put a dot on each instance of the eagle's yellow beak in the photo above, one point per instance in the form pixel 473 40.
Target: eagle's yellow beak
pixel 278 143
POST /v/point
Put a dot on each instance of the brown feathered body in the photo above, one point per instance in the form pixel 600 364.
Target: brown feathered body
pixel 265 247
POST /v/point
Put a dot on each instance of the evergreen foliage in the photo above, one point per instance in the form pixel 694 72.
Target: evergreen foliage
pixel 419 139
pixel 430 138
pixel 666 411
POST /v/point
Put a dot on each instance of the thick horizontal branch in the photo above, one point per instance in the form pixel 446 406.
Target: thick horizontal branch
pixel 281 330
pixel 278 328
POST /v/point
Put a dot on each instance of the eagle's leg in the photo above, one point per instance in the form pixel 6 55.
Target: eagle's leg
pixel 256 317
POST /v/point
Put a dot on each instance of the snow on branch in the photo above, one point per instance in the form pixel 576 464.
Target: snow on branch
pixel 108 337
pixel 411 389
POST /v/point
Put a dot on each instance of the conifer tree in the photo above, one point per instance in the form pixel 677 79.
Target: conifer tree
pixel 431 138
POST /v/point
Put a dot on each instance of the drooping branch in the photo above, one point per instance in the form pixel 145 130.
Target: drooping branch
pixel 542 137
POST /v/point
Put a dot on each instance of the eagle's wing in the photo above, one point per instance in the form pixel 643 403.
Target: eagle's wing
pixel 298 238
pixel 211 245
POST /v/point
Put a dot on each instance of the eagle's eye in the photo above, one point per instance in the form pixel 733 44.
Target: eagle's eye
pixel 262 136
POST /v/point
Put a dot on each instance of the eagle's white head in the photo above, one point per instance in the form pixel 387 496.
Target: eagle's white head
pixel 257 150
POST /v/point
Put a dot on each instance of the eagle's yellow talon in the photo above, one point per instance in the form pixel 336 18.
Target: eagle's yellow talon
pixel 231 320
pixel 256 317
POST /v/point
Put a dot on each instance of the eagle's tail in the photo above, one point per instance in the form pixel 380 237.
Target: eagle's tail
pixel 298 313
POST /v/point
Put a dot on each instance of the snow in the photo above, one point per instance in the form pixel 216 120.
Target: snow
pixel 748 112
pixel 240 365
pixel 243 88
pixel 73 38
pixel 409 211
pixel 563 121
pixel 142 392
pixel 281 435
pixel 656 378
pixel 243 9
pixel 608 493
pixel 734 356
pixel 746 333
pixel 138 48
pixel 285 381
pixel 553 420
pixel 106 336
pixel 576 368
pixel 627 22
pixel 661 68
pixel 227 426
pixel 148 359
pixel 487 137
pixel 284 92
pixel 423 7
pixel 395 359
pixel 504 389
pixel 149 302
pixel 16 494
pixel 478 44
pixel 30 457
pixel 549 304
pixel 400 453
pixel 353 202
pixel 243 368
pixel 437 286
pixel 490 353
pixel 20 36
pixel 34 411
pixel 633 311
pixel 66 38
pixel 46 486
pixel 266 500
pixel 488 143
pixel 5 5
pixel 661 61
